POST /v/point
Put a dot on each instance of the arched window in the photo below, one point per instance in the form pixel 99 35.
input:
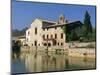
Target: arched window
pixel 28 32
pixel 61 35
pixel 43 36
pixel 61 44
pixel 35 43
pixel 54 42
pixel 49 44
pixel 58 43
pixel 35 30
pixel 55 36
pixel 51 36
pixel 45 44
pixel 47 36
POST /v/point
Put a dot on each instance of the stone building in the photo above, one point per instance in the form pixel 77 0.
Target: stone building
pixel 49 33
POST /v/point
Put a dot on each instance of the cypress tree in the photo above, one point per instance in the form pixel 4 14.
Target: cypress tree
pixel 87 27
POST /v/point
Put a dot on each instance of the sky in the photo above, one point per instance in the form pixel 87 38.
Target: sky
pixel 23 13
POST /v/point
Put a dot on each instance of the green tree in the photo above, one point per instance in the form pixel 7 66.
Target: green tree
pixel 87 27
pixel 82 33
pixel 74 35
pixel 93 38
pixel 67 33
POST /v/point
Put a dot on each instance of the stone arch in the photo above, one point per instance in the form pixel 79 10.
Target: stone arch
pixel 49 44
pixel 45 44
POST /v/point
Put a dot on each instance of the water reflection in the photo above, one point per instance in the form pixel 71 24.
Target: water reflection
pixel 53 62
pixel 39 63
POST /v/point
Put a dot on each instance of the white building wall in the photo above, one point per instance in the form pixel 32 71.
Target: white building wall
pixel 36 37
pixel 28 32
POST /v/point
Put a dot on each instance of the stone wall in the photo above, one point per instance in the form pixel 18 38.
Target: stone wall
pixel 82 52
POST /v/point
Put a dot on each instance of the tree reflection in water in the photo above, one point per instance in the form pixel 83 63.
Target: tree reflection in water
pixel 16 49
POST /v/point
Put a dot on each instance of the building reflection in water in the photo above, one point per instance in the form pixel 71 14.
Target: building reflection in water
pixel 44 63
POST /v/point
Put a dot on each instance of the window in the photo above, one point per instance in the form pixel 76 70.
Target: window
pixel 35 30
pixel 49 44
pixel 61 44
pixel 58 43
pixel 61 18
pixel 47 36
pixel 51 36
pixel 43 36
pixel 38 44
pixel 54 42
pixel 61 35
pixel 35 43
pixel 55 36
pixel 45 44
pixel 28 32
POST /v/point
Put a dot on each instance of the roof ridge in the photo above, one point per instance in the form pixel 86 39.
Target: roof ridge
pixel 46 20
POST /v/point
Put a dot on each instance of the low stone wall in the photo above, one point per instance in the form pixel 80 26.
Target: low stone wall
pixel 82 52
pixel 41 48
pixel 74 52
pixel 79 44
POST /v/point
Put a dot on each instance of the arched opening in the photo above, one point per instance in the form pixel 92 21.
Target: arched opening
pixel 51 36
pixel 35 30
pixel 61 44
pixel 55 36
pixel 58 43
pixel 45 44
pixel 49 44
pixel 43 37
pixel 35 43
pixel 54 42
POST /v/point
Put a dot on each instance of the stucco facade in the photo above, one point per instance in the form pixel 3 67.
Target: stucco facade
pixel 47 33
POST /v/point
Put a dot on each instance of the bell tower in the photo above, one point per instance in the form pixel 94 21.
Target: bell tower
pixel 61 19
